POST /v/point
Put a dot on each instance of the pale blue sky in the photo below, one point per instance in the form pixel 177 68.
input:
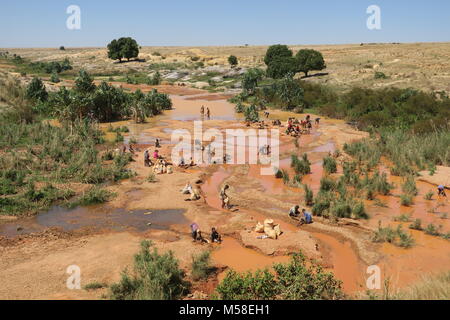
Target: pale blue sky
pixel 212 22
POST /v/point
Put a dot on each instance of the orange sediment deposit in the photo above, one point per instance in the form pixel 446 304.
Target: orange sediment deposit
pixel 344 262
pixel 232 254
pixel 430 255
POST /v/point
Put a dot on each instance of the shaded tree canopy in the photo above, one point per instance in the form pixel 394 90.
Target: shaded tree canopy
pixel 123 48
pixel 309 60
pixel 36 90
pixel 277 52
pixel 281 67
pixel 233 61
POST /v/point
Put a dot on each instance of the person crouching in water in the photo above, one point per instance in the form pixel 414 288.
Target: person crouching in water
pixel 215 236
pixel 224 197
pixel 294 212
pixel 307 217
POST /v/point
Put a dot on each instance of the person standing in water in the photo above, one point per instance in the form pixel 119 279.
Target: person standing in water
pixel 208 113
pixel 441 191
pixel 202 111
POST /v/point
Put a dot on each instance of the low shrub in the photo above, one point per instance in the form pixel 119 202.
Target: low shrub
pixel 406 200
pixel 292 281
pixel 94 195
pixel 416 225
pixel 201 266
pixel 329 165
pixel 154 277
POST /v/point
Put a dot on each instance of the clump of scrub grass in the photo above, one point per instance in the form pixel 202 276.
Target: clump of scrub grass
pixel 429 195
pixel 403 218
pixel 406 200
pixel 301 166
pixel 309 195
pixel 416 225
pixel 95 286
pixel 409 187
pixel 432 230
pixel 155 277
pixel 201 266
pixel 436 287
pixel 396 237
pixel 286 177
pixel 329 165
pixel 94 195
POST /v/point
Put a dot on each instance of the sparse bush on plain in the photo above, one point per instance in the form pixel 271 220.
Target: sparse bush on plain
pixel 155 276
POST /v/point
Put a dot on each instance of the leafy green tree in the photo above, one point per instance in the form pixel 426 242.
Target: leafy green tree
pixel 129 48
pixel 110 103
pixel 309 60
pixel 84 83
pixel 36 90
pixel 233 61
pixel 143 106
pixel 114 51
pixel 251 114
pixel 276 52
pixel 250 80
pixel 290 92
pixel 123 48
pixel 280 67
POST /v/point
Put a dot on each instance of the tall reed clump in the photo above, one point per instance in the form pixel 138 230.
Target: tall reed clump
pixel 301 166
pixel 286 178
pixel 435 287
pixel 329 165
pixel 364 151
pixel 418 151
pixel 309 195
pixel 333 201
pixel 155 276
pixel 409 186
pixel 396 236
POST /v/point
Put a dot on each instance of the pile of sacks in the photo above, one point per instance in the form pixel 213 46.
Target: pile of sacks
pixel 271 229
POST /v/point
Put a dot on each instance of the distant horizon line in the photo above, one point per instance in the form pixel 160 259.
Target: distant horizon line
pixel 238 45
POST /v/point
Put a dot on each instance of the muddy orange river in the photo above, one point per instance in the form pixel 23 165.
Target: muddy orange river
pixel 429 255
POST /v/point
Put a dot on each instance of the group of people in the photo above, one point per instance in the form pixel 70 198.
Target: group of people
pixel 296 127
pixel 183 164
pixel 197 236
pixel 265 150
pixel 303 217
pixel 208 112
pixel 159 164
